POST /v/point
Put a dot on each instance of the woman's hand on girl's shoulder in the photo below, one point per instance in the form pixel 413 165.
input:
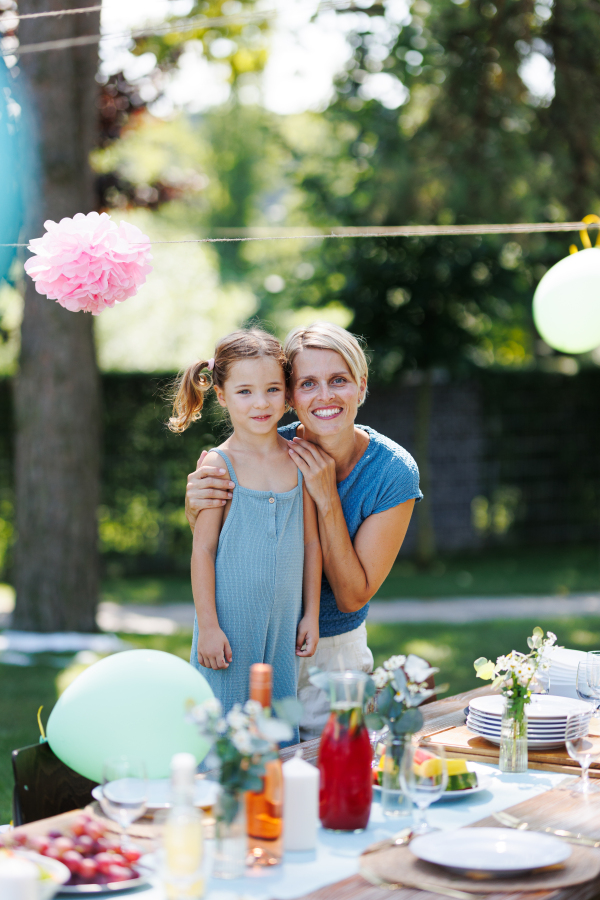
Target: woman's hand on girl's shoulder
pixel 209 486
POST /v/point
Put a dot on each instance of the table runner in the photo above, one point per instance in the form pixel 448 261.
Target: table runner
pixel 337 855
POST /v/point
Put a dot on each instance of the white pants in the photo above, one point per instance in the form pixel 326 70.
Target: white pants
pixel 341 651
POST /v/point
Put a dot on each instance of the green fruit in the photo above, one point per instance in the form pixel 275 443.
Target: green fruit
pixel 462 782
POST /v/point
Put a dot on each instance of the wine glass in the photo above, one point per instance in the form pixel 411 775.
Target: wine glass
pixel 592 665
pixel 424 778
pixel 585 689
pixel 124 791
pixel 582 748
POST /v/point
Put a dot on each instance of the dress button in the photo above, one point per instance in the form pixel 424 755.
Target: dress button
pixel 271 499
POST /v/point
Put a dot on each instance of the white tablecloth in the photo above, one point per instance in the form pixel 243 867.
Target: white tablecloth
pixel 336 856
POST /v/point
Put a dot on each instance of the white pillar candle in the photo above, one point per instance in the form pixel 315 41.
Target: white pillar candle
pixel 300 804
pixel 18 879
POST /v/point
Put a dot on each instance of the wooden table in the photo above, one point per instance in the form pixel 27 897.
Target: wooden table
pixel 555 808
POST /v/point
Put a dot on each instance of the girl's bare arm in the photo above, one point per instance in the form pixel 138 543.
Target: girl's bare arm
pixel 214 650
pixel 308 627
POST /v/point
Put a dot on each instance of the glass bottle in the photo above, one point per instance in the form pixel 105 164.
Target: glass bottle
pixel 264 809
pixel 182 855
pixel 394 802
pixel 345 757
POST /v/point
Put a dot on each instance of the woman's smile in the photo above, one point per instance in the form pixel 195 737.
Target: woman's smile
pixel 326 412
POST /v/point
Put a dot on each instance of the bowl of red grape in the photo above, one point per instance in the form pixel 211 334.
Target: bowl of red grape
pixel 97 860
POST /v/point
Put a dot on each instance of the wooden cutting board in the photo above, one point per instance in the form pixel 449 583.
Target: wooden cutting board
pixel 460 743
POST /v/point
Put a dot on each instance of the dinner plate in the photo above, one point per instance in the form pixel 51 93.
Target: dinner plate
pixel 533 725
pixel 159 792
pixel 542 706
pixel 536 733
pixel 483 780
pixel 497 851
pixel 113 887
pixel 56 873
pixel 494 738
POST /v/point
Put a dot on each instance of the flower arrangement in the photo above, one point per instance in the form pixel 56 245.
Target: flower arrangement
pixel 402 684
pixel 515 672
pixel 242 742
pixel 88 263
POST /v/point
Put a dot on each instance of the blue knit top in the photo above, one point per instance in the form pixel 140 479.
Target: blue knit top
pixel 385 476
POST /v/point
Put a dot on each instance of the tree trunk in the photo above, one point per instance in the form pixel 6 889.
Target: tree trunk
pixel 57 391
pixel 425 532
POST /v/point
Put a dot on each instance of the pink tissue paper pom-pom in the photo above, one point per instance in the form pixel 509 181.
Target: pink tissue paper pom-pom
pixel 89 262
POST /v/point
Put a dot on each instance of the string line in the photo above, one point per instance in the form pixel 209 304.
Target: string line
pixel 54 12
pixel 251 234
pixel 179 26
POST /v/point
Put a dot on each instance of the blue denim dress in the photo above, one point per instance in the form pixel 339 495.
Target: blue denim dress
pixel 258 574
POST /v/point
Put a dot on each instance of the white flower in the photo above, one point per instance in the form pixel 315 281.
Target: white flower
pixel 417 669
pixel 236 718
pixel 212 707
pixel 221 726
pixel 200 716
pixel 253 708
pixel 394 662
pixel 381 677
pixel 242 741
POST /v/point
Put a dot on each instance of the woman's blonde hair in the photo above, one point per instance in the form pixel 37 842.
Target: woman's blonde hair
pixel 326 336
pixel 195 382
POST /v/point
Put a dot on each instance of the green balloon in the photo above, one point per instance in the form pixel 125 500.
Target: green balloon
pixel 133 704
pixel 566 305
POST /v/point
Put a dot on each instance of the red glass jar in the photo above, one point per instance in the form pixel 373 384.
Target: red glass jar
pixel 345 756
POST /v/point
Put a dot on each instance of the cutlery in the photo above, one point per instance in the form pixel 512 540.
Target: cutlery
pixel 396 840
pixel 512 822
pixel 432 888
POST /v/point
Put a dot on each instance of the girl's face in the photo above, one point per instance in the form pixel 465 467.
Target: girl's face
pixel 323 392
pixel 254 394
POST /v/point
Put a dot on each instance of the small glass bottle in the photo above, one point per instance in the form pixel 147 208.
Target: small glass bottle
pixel 264 809
pixel 182 837
pixel 513 738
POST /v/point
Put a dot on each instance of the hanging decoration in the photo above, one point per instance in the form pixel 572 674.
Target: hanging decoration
pixel 89 263
pixel 566 305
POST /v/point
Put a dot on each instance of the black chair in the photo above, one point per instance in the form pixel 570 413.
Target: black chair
pixel 45 786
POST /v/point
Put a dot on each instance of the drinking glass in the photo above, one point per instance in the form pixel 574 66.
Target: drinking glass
pixel 582 749
pixel 585 689
pixel 124 791
pixel 592 665
pixel 424 778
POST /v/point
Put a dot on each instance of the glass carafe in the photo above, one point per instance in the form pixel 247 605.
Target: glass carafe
pixel 345 756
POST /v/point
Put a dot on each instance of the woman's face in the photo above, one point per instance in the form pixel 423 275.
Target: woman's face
pixel 323 392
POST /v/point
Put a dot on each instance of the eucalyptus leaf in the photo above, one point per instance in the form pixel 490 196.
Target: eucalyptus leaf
pixel 399 681
pixel 370 688
pixel 385 701
pixel 374 722
pixel 289 709
pixel 410 721
pixel 318 678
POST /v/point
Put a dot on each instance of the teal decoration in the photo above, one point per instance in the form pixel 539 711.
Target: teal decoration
pixel 11 170
pixel 133 703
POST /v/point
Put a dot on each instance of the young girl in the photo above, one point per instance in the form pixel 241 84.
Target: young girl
pixel 256 559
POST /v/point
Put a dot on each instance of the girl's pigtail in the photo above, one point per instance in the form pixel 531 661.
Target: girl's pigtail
pixel 189 396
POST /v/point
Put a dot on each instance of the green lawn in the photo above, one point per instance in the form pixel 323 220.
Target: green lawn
pixel 451 647
pixel 493 573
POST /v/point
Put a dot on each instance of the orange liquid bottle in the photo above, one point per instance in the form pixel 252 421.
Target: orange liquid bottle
pixel 264 809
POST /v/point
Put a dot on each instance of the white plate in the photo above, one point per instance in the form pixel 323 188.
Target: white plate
pixel 57 872
pixel 494 738
pixel 542 706
pixel 534 733
pixel 498 850
pixel 159 792
pixel 533 725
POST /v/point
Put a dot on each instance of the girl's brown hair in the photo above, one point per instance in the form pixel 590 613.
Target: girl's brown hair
pixel 194 383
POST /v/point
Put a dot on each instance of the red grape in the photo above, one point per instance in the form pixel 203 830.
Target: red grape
pixel 63 844
pixel 88 869
pixel 85 844
pixel 53 852
pixel 72 860
pixel 104 861
pixel 20 839
pixel 94 830
pixel 38 843
pixel 131 854
pixel 79 825
pixel 55 834
pixel 119 873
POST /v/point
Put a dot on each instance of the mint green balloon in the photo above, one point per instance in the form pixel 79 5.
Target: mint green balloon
pixel 566 305
pixel 132 703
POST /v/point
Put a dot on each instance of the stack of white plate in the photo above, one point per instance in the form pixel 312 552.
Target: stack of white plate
pixel 562 674
pixel 546 719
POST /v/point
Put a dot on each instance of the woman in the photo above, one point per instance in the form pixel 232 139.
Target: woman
pixel 364 487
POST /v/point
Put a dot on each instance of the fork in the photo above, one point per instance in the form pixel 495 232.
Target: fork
pixel 511 821
pixel 396 840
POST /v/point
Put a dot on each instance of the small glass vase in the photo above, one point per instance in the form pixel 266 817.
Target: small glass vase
pixel 231 841
pixel 513 738
pixel 394 802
